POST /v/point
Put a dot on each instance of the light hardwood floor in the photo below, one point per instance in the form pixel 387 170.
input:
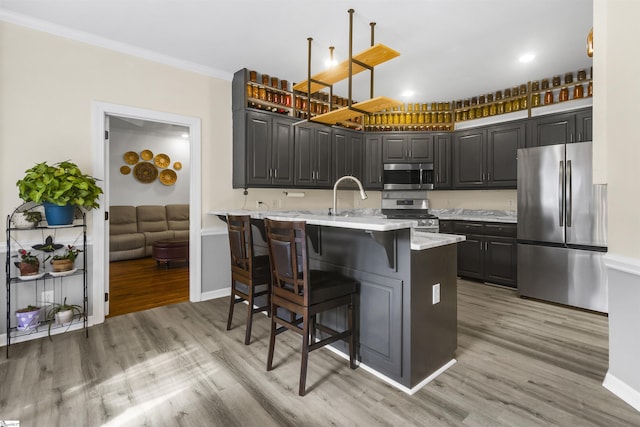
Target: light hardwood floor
pixel 520 363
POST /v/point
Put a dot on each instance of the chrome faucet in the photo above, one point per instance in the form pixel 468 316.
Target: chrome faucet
pixel 363 195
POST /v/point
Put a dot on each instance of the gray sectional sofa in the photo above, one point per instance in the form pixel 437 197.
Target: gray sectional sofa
pixel 134 229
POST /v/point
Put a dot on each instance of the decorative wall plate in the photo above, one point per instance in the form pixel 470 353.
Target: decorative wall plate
pixel 145 172
pixel 131 157
pixel 168 177
pixel 177 166
pixel 125 170
pixel 162 160
pixel 146 155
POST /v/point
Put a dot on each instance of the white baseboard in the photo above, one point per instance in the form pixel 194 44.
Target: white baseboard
pixel 394 383
pixel 218 293
pixel 622 390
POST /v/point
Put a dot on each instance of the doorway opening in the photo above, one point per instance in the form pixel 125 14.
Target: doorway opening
pixel 148 205
pixel 166 172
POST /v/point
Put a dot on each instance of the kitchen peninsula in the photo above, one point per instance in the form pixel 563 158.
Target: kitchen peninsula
pixel 408 304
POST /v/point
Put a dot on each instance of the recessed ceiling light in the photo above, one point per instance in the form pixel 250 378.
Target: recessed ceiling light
pixel 527 57
pixel 407 93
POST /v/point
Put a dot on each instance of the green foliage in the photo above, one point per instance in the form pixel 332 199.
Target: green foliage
pixel 28 309
pixel 70 253
pixel 61 184
pixel 57 308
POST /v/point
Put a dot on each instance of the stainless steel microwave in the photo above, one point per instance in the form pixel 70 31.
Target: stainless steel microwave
pixel 408 176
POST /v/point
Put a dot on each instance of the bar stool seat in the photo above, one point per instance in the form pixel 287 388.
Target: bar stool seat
pixel 305 293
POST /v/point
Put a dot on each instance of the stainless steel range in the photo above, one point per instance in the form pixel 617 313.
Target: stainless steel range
pixel 410 205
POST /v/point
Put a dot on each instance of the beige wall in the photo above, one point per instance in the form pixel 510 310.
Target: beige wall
pixel 616 118
pixel 48 84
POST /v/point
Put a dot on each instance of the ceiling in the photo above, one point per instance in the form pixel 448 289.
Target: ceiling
pixel 449 49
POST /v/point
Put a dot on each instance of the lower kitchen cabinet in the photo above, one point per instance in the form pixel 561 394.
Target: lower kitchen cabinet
pixel 489 252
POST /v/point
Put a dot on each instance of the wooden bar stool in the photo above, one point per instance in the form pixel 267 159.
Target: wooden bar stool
pixel 250 275
pixel 304 293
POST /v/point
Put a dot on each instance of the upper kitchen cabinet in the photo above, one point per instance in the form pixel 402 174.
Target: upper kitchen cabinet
pixel 442 161
pixel 486 157
pixel 560 128
pixel 262 149
pixel 372 161
pixel 469 160
pixel 313 147
pixel 503 142
pixel 407 148
pixel 348 153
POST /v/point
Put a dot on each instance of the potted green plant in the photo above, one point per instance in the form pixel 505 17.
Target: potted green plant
pixel 29 264
pixel 27 317
pixel 61 184
pixel 65 261
pixel 62 313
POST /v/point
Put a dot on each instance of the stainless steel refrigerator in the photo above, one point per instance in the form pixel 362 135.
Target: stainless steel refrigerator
pixel 561 227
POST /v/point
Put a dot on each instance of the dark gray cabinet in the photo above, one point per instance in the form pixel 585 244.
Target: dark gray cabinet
pixel 487 157
pixel 348 154
pixel 372 162
pixel 489 252
pixel 469 161
pixel 313 156
pixel 503 142
pixel 442 161
pixel 263 150
pixel 407 148
pixel 560 128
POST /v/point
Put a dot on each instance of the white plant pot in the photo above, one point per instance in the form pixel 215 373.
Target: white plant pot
pixel 63 317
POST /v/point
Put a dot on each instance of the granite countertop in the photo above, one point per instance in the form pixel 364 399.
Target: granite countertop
pixel 421 240
pixel 486 215
pixel 348 219
pixel 359 220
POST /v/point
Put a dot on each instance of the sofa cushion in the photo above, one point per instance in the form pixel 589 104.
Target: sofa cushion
pixel 122 220
pixel 178 217
pixel 152 218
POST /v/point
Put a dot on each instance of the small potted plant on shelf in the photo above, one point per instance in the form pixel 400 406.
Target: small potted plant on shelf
pixel 62 313
pixel 60 188
pixel 29 264
pixel 66 261
pixel 27 317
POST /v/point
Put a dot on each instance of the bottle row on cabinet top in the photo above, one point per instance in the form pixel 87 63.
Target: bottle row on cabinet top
pixel 532 95
pixel 273 94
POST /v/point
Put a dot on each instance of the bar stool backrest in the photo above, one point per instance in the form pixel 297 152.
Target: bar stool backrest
pixel 241 245
pixel 288 252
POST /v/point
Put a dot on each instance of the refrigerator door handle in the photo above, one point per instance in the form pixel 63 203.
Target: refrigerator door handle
pixel 560 193
pixel 570 194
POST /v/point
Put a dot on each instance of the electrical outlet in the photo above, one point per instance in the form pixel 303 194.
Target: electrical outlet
pixel 435 293
pixel 47 297
pixel 274 204
pixel 510 203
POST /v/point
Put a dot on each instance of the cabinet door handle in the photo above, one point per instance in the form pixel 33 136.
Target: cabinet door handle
pixel 270 173
pixel 275 173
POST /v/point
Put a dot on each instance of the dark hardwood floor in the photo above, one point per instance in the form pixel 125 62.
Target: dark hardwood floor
pixel 520 363
pixel 140 284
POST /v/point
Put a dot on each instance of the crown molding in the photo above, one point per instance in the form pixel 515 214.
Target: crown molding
pixel 80 36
